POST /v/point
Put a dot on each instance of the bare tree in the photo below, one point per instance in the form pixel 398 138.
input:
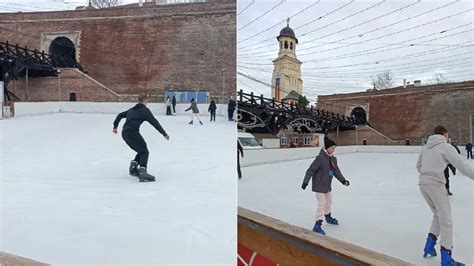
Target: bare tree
pixel 105 3
pixel 382 80
pixel 440 78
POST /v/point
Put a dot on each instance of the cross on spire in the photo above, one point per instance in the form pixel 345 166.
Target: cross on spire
pixel 288 22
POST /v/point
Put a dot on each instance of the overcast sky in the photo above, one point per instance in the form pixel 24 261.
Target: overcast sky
pixel 343 43
pixel 45 5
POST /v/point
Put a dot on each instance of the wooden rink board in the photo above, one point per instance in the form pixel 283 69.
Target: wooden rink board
pixel 12 260
pixel 290 245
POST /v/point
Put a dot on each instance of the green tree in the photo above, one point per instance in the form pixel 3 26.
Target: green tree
pixel 302 102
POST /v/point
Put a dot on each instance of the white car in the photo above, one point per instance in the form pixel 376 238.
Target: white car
pixel 248 141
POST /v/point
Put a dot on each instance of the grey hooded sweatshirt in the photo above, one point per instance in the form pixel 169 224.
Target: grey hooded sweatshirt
pixel 434 158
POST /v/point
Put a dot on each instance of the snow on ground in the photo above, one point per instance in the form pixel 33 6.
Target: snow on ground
pixel 381 210
pixel 67 197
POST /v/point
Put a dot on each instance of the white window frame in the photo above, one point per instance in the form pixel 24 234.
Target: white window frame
pixel 308 141
pixel 284 141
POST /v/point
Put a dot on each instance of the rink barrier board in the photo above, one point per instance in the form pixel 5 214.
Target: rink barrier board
pixel 12 260
pixel 287 244
pixel 255 157
pixel 42 108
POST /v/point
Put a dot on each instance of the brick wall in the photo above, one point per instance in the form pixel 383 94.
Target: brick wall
pixel 133 50
pixel 71 80
pixel 363 132
pixel 413 112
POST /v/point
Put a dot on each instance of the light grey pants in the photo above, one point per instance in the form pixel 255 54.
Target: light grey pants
pixel 437 198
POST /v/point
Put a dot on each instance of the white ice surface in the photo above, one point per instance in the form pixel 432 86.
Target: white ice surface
pixel 381 210
pixel 67 197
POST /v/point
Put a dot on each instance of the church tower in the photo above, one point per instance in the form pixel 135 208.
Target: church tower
pixel 286 77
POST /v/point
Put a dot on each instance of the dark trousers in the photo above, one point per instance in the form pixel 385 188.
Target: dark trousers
pixel 239 172
pixel 174 108
pixel 135 141
pixel 168 110
pixel 469 153
pixel 446 174
pixel 230 114
pixel 213 116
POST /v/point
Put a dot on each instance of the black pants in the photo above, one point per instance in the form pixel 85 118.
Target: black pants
pixel 446 174
pixel 239 172
pixel 174 108
pixel 168 110
pixel 469 153
pixel 213 116
pixel 230 113
pixel 135 141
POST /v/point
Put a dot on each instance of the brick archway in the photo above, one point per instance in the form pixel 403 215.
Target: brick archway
pixel 64 52
pixel 74 36
pixel 360 114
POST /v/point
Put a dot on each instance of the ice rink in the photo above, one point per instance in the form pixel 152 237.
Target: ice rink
pixel 67 197
pixel 381 210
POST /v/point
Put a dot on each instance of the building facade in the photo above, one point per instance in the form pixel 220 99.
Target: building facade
pixel 131 49
pixel 409 112
pixel 286 75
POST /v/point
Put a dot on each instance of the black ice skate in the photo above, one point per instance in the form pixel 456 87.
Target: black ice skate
pixel 200 122
pixel 143 176
pixel 133 168
pixel 191 122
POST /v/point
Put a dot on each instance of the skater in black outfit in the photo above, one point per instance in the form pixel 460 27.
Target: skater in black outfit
pixel 130 133
pixel 231 108
pixel 173 102
pixel 469 150
pixel 453 169
pixel 212 110
pixel 241 151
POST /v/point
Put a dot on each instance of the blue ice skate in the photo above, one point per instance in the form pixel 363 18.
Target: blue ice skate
pixel 317 227
pixel 429 246
pixel 447 259
pixel 330 219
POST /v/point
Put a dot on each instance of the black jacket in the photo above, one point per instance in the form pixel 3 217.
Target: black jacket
pixel 231 106
pixel 212 107
pixel 173 101
pixel 469 147
pixel 135 117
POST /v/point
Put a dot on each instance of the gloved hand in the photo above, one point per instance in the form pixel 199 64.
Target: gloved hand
pixel 304 186
pixel 346 183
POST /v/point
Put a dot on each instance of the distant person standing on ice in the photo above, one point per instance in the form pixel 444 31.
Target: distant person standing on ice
pixel 231 108
pixel 433 159
pixel 195 110
pixel 212 109
pixel 130 133
pixel 321 171
pixel 469 150
pixel 168 106
pixel 173 102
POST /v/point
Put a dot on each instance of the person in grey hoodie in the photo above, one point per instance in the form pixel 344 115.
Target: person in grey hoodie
pixel 195 109
pixel 321 171
pixel 433 159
